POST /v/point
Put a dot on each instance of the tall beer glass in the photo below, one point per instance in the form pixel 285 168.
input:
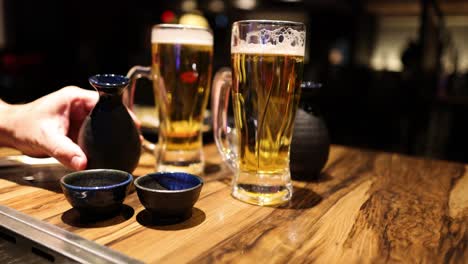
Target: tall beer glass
pixel 267 59
pixel 181 73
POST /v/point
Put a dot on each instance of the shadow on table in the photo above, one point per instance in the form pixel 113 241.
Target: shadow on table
pixel 146 219
pixel 321 177
pixel 303 198
pixel 211 168
pixel 45 177
pixel 73 218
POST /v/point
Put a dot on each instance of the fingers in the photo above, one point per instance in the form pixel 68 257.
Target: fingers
pixel 64 150
pixel 87 98
pixel 81 103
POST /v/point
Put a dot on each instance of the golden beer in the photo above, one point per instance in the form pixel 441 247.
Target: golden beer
pixel 266 91
pixel 267 58
pixel 181 71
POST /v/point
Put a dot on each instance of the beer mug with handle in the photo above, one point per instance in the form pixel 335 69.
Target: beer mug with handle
pixel 267 63
pixel 181 75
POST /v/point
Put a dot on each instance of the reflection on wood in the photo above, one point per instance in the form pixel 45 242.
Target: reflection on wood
pixel 367 207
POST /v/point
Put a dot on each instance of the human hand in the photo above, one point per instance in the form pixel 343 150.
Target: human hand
pixel 50 125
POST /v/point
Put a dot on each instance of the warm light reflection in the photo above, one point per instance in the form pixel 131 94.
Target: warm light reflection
pixel 387 61
pixel 395 32
pixel 245 4
pixel 216 6
pixel 335 57
pixel 188 5
pixel 194 20
pixel 393 35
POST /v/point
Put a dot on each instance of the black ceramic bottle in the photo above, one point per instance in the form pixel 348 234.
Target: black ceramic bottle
pixel 108 135
pixel 310 144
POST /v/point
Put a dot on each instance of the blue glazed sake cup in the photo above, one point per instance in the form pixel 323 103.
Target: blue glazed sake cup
pixel 98 192
pixel 169 194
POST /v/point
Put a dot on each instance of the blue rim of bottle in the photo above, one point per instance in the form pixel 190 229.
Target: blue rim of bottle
pixel 109 80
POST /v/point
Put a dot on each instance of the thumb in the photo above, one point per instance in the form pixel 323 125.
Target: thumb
pixel 66 151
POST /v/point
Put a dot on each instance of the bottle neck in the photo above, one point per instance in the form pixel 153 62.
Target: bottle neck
pixel 109 99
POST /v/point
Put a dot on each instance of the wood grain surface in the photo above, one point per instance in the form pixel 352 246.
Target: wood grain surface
pixel 366 207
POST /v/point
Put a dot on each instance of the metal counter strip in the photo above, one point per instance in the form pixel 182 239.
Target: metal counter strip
pixel 58 240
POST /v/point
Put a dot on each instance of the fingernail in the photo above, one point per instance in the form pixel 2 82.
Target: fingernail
pixel 78 162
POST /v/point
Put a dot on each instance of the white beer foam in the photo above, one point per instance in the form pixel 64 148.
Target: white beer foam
pixel 181 36
pixel 281 41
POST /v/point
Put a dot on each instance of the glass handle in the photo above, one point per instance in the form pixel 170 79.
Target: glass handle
pixel 135 73
pixel 223 134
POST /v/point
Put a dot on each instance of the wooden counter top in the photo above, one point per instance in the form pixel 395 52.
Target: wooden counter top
pixel 366 207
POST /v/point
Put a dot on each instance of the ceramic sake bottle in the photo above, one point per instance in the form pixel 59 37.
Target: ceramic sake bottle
pixel 108 135
pixel 310 143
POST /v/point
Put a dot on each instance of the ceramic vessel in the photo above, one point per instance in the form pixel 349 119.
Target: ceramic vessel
pixel 310 143
pixel 96 192
pixel 169 194
pixel 108 135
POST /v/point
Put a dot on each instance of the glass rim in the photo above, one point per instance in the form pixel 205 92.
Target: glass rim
pixel 269 22
pixel 181 26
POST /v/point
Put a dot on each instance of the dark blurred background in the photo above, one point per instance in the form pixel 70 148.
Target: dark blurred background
pixel 394 72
